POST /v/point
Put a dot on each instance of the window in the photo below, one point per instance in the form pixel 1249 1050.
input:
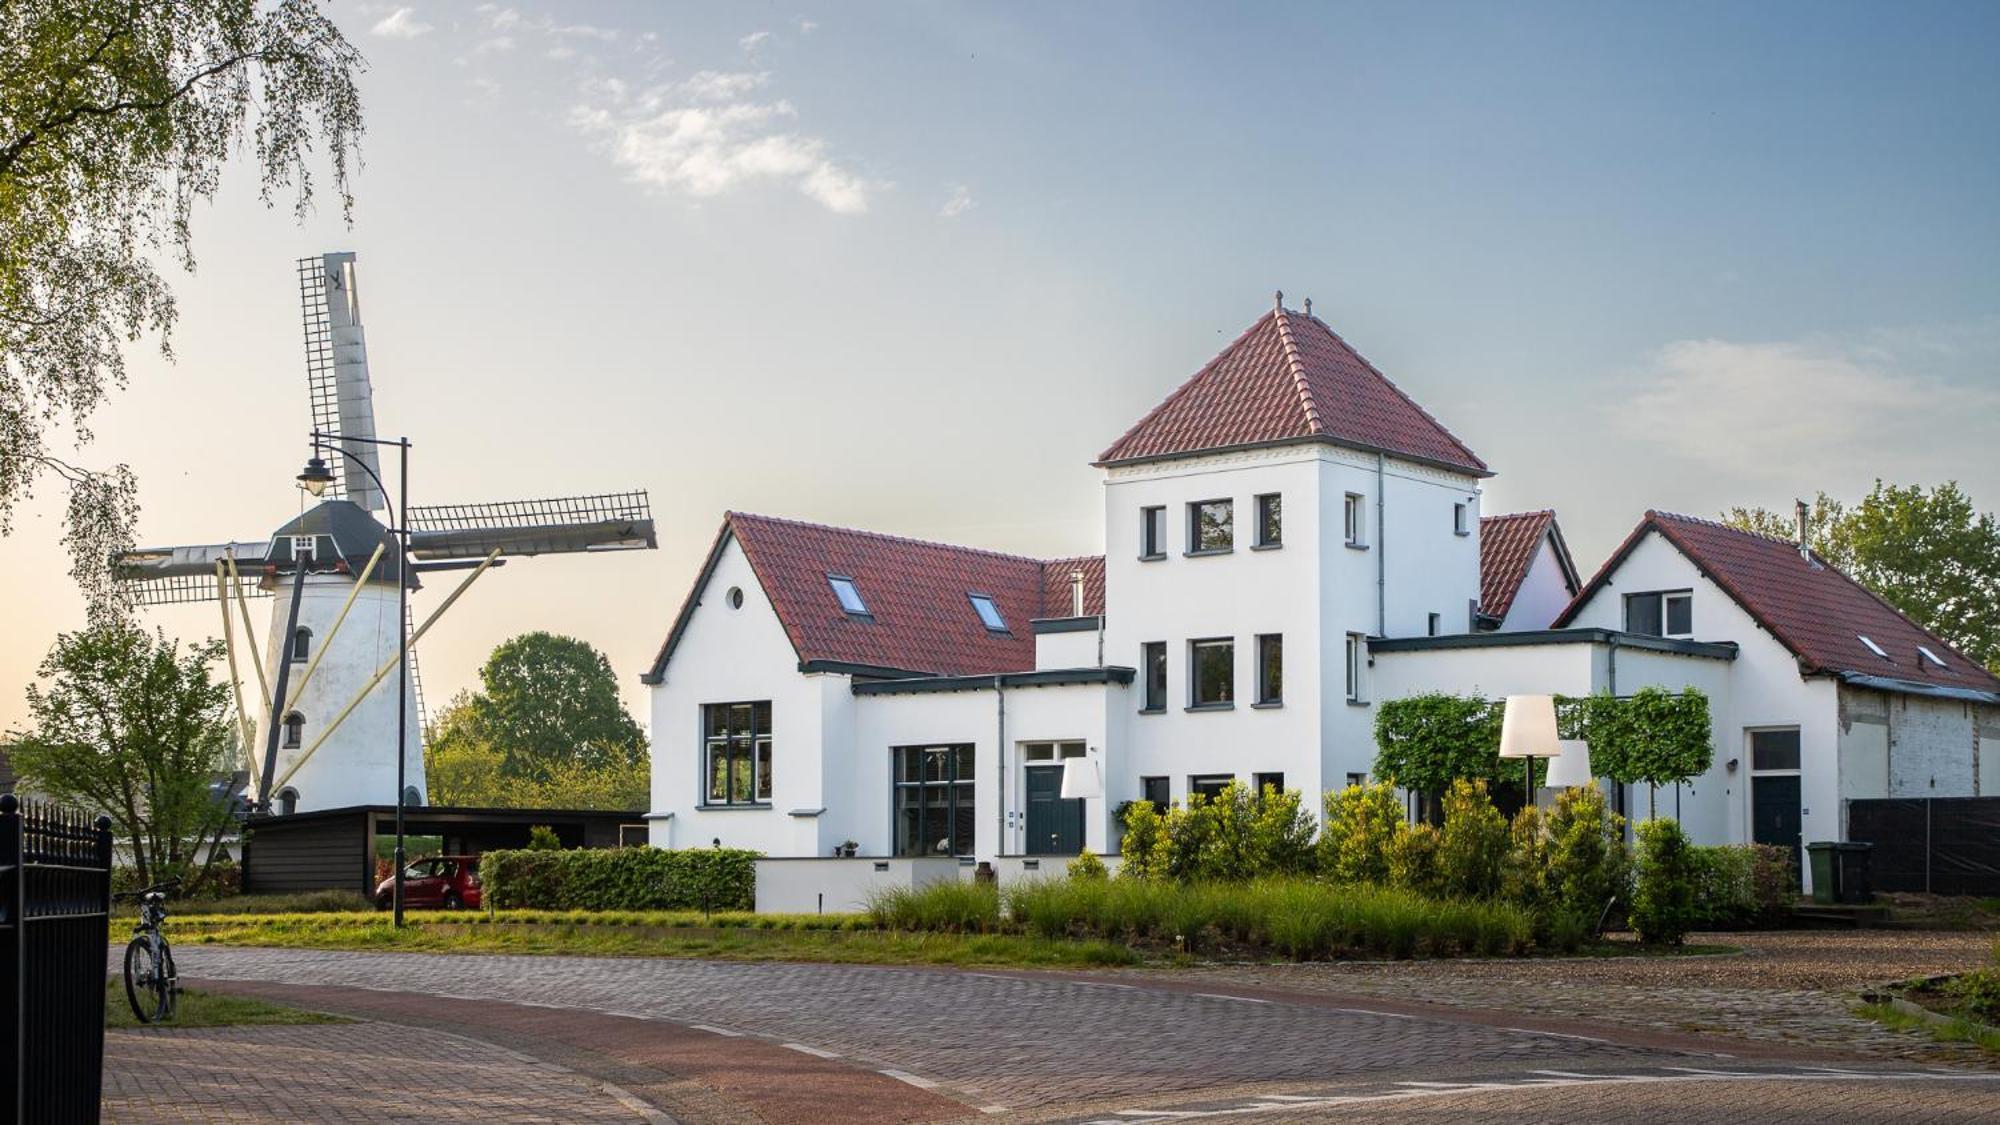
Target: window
pixel 1265 781
pixel 1270 520
pixel 736 597
pixel 1357 520
pixel 1930 656
pixel 1209 785
pixel 850 598
pixel 1357 652
pixel 1211 527
pixel 1153 533
pixel 305 547
pixel 1660 614
pixel 1154 791
pixel 295 730
pixel 933 797
pixel 989 614
pixel 302 639
pixel 1460 517
pixel 413 798
pixel 737 745
pixel 1774 750
pixel 1354 779
pixel 1872 646
pixel 288 801
pixel 1270 669
pixel 1153 658
pixel 1436 624
pixel 1050 751
pixel 1212 671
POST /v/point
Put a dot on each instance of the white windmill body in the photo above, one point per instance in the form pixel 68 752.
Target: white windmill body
pixel 329 675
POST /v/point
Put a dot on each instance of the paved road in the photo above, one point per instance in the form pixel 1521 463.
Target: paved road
pixel 1082 1045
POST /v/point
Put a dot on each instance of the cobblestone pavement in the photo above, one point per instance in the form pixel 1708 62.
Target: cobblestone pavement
pixel 343 1072
pixel 1794 988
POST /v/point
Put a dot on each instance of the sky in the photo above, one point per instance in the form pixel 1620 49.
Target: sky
pixel 910 267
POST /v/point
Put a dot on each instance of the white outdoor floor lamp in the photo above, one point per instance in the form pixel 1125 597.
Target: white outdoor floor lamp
pixel 1528 731
pixel 1571 769
pixel 1080 778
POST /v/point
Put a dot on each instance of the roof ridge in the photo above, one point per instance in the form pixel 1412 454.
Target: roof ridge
pixel 1400 393
pixel 1533 512
pixel 1298 368
pixel 1186 384
pixel 906 539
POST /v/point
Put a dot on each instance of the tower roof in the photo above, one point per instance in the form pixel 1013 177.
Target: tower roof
pixel 353 532
pixel 1290 378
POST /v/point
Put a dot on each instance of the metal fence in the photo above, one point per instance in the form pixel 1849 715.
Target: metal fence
pixel 55 917
pixel 1942 845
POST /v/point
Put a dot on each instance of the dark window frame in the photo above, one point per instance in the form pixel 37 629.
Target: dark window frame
pixel 1164 798
pixel 1275 778
pixel 1154 699
pixel 1152 532
pixel 1797 750
pixel 1195 544
pixel 747 747
pixel 833 584
pixel 301 648
pixel 1662 612
pixel 1355 656
pixel 1195 700
pixel 1270 691
pixel 1354 520
pixel 1268 513
pixel 998 630
pixel 295 731
pixel 1461 518
pixel 1208 784
pixel 959 793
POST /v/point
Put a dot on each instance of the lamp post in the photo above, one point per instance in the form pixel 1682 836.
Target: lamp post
pixel 1528 731
pixel 314 479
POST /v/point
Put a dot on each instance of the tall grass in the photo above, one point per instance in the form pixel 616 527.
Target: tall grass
pixel 1295 918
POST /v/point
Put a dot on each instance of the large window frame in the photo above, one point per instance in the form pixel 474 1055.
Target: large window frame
pixel 937 782
pixel 1153 665
pixel 1211 526
pixel 1208 785
pixel 1665 605
pixel 1219 696
pixel 736 737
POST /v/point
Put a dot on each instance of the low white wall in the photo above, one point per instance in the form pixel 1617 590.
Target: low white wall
pixel 1014 868
pixel 828 885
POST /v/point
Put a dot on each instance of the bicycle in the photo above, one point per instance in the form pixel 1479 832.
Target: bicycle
pixel 151 984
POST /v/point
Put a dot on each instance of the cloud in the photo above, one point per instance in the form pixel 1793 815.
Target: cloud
pixel 960 202
pixel 494 45
pixel 754 40
pixel 1814 407
pixel 717 86
pixel 806 26
pixel 400 24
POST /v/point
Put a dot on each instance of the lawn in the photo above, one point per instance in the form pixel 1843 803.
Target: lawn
pixel 208 1009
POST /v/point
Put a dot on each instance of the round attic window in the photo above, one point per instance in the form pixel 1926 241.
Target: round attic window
pixel 736 597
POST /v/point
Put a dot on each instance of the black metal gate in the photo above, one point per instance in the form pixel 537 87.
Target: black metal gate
pixel 55 918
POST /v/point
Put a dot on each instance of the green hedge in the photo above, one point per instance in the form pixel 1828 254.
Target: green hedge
pixel 621 879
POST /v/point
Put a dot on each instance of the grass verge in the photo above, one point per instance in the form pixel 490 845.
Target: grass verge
pixel 209 1009
pixel 1956 1029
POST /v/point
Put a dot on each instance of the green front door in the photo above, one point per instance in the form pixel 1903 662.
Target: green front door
pixel 1055 825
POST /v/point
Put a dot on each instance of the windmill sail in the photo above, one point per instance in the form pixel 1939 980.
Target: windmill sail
pixel 619 521
pixel 176 575
pixel 343 400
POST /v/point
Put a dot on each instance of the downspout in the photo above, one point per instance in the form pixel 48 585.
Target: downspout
pixel 1381 547
pixel 1000 765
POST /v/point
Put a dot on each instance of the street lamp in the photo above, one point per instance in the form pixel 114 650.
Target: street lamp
pixel 1528 731
pixel 314 479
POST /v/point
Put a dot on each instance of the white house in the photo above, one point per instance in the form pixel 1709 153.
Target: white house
pixel 1289 540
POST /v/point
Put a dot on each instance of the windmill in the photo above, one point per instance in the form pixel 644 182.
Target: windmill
pixel 322 728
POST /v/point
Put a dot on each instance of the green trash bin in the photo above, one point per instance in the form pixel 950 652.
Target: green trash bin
pixel 1826 890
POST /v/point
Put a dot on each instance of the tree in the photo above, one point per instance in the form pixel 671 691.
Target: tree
pixel 1930 554
pixel 548 701
pixel 116 116
pixel 129 725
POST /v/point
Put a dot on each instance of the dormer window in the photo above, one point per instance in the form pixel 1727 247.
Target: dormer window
pixel 847 595
pixel 1872 646
pixel 1931 657
pixel 1664 613
pixel 989 614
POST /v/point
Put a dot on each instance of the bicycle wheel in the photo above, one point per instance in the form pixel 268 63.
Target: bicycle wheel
pixel 146 987
pixel 172 976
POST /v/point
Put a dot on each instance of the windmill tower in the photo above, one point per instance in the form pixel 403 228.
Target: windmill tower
pixel 319 720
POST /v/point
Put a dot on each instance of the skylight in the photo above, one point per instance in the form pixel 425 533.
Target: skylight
pixel 1931 656
pixel 1872 646
pixel 850 598
pixel 989 614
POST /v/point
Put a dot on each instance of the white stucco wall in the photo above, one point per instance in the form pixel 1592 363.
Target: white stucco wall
pixel 1544 592
pixel 1077 649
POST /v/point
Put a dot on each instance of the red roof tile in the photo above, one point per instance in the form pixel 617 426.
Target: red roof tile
pixel 1291 378
pixel 920 618
pixel 1507 548
pixel 1811 608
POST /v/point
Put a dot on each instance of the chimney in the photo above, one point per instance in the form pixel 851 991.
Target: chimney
pixel 1799 510
pixel 1076 593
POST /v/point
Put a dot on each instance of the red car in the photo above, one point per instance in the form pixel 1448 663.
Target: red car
pixel 446 882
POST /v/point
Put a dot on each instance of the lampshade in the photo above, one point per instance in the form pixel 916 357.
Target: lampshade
pixel 1080 779
pixel 1571 768
pixel 1528 729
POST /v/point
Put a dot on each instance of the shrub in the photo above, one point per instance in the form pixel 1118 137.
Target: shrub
pixel 1663 899
pixel 542 838
pixel 948 905
pixel 1586 866
pixel 1978 993
pixel 1363 823
pixel 1413 861
pixel 1235 835
pixel 1524 868
pixel 704 879
pixel 1473 843
pixel 1742 886
pixel 1087 866
pixel 1142 850
pixel 1774 883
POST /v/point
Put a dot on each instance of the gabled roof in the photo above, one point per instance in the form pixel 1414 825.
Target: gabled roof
pixel 920 620
pixel 1507 548
pixel 1288 379
pixel 1811 608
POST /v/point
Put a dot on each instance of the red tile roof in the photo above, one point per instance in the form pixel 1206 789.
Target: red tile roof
pixel 919 616
pixel 1290 378
pixel 1811 608
pixel 1507 548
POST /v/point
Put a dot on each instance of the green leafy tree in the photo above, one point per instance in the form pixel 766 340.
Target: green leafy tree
pixel 129 724
pixel 462 771
pixel 116 117
pixel 1426 742
pixel 547 701
pixel 1652 737
pixel 1930 553
pixel 1363 823
pixel 1586 865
